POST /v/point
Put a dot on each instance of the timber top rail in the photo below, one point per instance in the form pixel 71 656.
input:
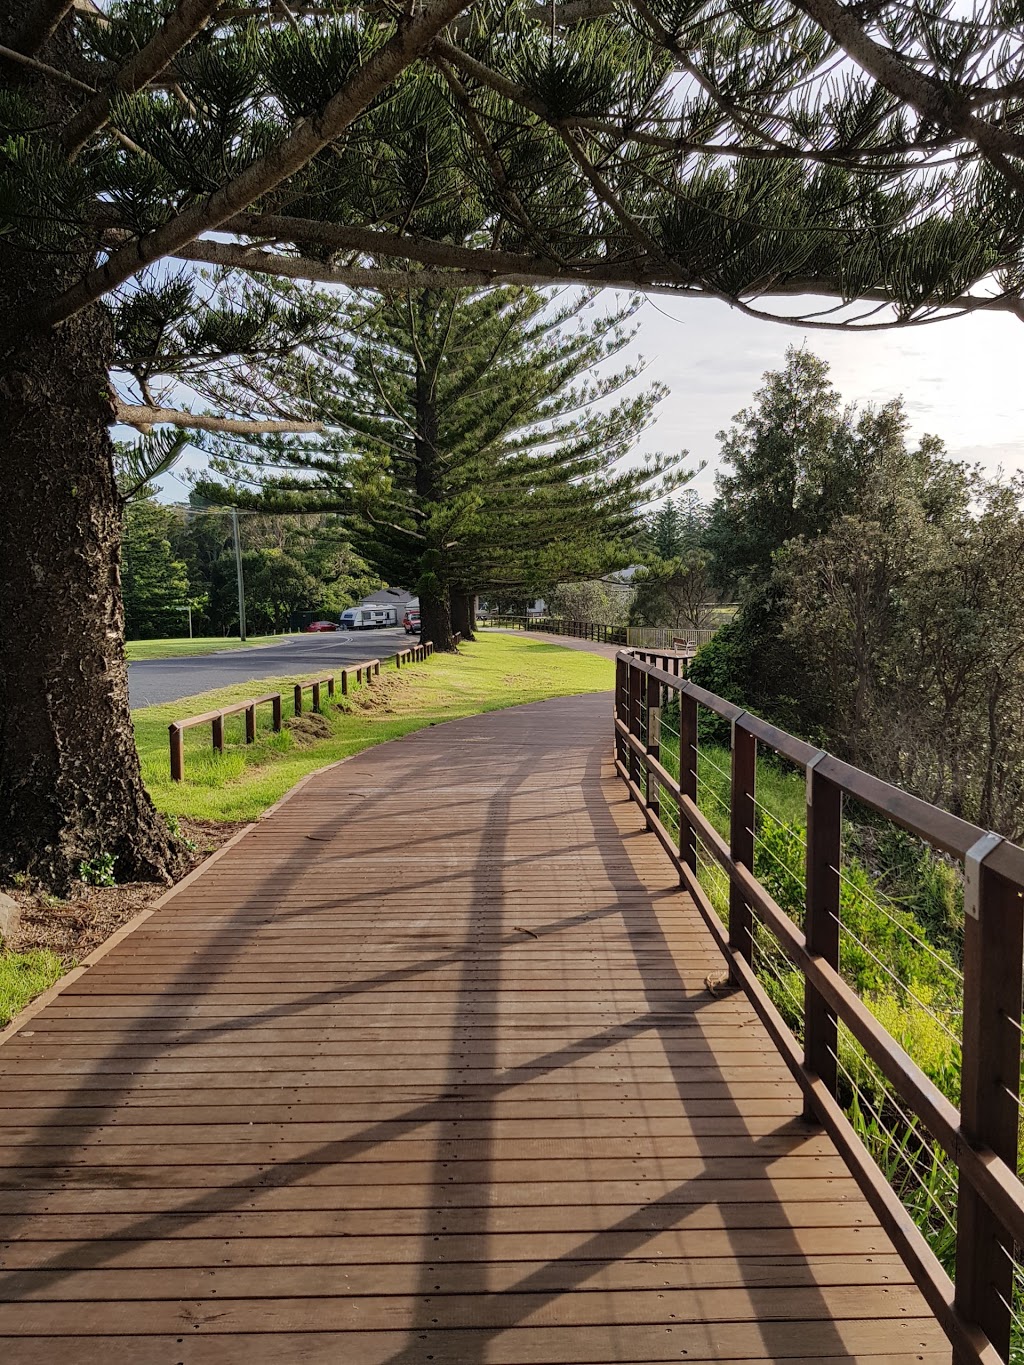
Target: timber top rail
pixel 977 1308
pixel 422 1070
pixel 363 672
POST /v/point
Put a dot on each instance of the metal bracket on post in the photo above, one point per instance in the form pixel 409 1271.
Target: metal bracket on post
pixel 809 772
pixel 974 860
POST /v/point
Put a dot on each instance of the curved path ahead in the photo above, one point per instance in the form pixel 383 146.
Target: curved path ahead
pixel 421 1068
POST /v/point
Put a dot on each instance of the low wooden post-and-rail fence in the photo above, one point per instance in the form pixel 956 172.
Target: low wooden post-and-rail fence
pixel 215 719
pixel 363 673
pixel 976 1308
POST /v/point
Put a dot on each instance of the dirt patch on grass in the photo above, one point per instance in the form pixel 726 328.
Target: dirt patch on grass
pixel 72 928
pixel 308 730
pixel 381 697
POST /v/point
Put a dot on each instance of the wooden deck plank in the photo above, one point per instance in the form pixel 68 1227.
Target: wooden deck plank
pixel 424 1069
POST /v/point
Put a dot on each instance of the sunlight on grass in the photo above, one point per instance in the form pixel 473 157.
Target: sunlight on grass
pixel 136 651
pixel 22 976
pixel 488 675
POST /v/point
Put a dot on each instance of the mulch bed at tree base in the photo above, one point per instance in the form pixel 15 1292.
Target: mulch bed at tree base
pixel 73 927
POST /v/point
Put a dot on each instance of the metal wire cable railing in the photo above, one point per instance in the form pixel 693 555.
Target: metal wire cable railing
pixel 835 932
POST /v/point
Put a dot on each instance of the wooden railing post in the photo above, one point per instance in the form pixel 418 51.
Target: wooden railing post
pixel 316 698
pixel 217 733
pixel 989 1087
pixel 636 711
pixel 621 708
pixel 688 776
pixel 275 702
pixel 177 739
pixel 344 682
pixel 250 724
pixel 653 744
pixel 821 924
pixel 741 831
pixel 298 699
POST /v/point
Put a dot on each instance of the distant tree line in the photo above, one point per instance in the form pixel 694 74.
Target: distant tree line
pixel 178 559
pixel 879 585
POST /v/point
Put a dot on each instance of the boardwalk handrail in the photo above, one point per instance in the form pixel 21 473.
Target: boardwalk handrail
pixel 981 1138
pixel 576 630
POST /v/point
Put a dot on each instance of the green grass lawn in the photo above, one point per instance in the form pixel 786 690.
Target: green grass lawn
pixel 137 650
pixel 492 673
pixel 22 976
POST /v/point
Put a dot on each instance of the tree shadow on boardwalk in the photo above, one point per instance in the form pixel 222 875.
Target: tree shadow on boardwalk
pixel 670 1010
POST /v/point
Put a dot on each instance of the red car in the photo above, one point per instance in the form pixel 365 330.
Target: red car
pixel 321 625
pixel 411 621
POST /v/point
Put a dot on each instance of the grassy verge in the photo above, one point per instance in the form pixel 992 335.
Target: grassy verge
pixel 492 673
pixel 22 976
pixel 139 650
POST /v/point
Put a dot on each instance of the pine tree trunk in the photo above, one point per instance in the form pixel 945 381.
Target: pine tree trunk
pixel 433 588
pixel 436 620
pixel 70 782
pixel 464 614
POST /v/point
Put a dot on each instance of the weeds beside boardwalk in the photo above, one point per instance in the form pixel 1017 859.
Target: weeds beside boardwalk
pixel 22 976
pixel 491 673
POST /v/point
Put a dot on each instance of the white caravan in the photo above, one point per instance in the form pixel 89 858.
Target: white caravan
pixel 371 616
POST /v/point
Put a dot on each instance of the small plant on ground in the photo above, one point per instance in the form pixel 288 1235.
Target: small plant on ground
pixel 98 871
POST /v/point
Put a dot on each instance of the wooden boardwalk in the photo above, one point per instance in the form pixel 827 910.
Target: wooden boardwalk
pixel 423 1069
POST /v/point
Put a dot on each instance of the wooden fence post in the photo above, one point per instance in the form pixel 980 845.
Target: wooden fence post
pixel 177 740
pixel 250 724
pixel 989 1087
pixel 344 682
pixel 688 775
pixel 298 700
pixel 741 831
pixel 316 697
pixel 821 920
pixel 217 733
pixel 275 702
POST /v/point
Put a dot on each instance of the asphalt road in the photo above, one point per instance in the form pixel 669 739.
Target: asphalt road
pixel 154 681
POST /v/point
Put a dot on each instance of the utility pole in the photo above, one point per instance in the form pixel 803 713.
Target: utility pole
pixel 238 571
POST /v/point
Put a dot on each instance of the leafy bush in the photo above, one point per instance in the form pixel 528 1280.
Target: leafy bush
pixel 98 871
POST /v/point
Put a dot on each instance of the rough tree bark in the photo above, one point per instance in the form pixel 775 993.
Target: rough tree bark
pixel 433 587
pixel 70 781
pixel 464 614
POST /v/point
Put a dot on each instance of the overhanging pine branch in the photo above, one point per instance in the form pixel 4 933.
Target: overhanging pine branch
pixel 373 242
pixel 639 274
pixel 180 27
pixel 933 100
pixel 144 418
pixel 307 138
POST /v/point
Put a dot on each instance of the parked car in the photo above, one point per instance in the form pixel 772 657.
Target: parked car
pixel 411 621
pixel 321 625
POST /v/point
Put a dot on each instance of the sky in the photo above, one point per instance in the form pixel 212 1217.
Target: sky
pixel 962 380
